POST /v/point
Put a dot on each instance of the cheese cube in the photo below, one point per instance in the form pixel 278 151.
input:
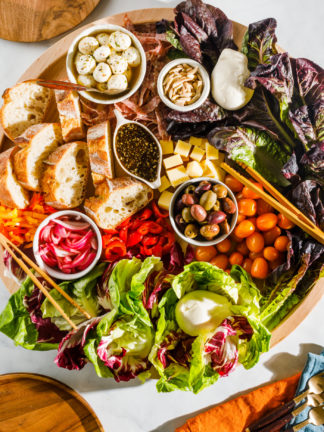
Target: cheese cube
pixel 182 148
pixel 172 161
pixel 197 153
pixel 217 172
pixel 206 169
pixel 165 199
pixel 177 176
pixel 167 146
pixel 194 169
pixel 164 184
pixel 221 157
pixel 211 152
pixel 195 141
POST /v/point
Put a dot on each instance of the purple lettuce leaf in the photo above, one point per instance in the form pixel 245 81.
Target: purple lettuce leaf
pixel 209 111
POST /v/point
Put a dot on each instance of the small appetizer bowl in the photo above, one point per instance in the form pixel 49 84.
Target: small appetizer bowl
pixel 232 218
pixel 104 98
pixel 122 121
pixel 205 80
pixel 53 272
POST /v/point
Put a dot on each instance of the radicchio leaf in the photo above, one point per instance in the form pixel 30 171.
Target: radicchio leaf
pixel 176 348
pixel 208 112
pixel 306 197
pixel 12 269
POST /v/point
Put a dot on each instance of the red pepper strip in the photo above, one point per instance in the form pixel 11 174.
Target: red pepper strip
pixel 157 250
pixel 145 214
pixel 150 240
pixel 125 223
pixel 170 238
pixel 158 213
pixel 135 224
pixel 110 231
pixel 134 238
pixel 115 249
pixel 105 240
pixel 150 227
pixel 123 234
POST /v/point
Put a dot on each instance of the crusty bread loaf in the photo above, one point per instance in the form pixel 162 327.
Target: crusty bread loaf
pixel 36 143
pixel 68 106
pixel 66 175
pixel 24 104
pixel 100 152
pixel 117 199
pixel 12 193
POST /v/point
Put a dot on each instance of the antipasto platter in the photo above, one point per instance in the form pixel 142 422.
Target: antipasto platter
pixel 173 210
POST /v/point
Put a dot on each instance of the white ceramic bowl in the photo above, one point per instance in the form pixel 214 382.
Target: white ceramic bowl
pixel 103 98
pixel 174 199
pixel 204 76
pixel 56 273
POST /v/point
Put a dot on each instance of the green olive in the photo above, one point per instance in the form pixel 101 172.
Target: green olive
pixel 220 191
pixel 186 215
pixel 191 231
pixel 209 231
pixel 190 189
pixel 208 200
pixel 217 206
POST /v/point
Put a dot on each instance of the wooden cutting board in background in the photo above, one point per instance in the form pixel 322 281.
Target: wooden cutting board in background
pixel 36 20
pixel 31 402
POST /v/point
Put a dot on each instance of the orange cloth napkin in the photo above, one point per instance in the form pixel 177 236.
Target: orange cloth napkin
pixel 237 414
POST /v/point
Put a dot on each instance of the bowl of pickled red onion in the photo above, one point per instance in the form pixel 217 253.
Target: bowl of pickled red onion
pixel 67 245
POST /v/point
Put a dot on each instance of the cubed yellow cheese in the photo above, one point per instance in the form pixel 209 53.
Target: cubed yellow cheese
pixel 221 157
pixel 177 175
pixel 194 169
pixel 196 141
pixel 182 148
pixel 197 154
pixel 172 161
pixel 164 184
pixel 165 199
pixel 206 169
pixel 211 152
pixel 167 146
pixel 217 172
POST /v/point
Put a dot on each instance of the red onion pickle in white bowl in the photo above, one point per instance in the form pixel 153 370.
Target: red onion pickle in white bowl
pixel 67 245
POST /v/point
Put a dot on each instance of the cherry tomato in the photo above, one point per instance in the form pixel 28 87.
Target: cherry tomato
pixel 242 248
pixel 253 220
pixel 255 242
pixel 247 207
pixel 239 196
pixel 263 207
pixel 281 243
pixel 270 253
pixel 254 255
pixel 284 222
pixel 236 258
pixel 267 221
pixel 244 229
pixel 271 235
pixel 280 260
pixel 233 184
pixel 248 193
pixel 224 246
pixel 247 264
pixel 240 218
pixel 205 253
pixel 235 238
pixel 259 268
pixel 220 261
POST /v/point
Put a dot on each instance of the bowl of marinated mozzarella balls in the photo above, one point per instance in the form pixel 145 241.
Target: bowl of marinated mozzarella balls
pixel 107 58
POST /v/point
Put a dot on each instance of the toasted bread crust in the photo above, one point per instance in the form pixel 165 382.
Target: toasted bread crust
pixel 68 106
pixel 100 151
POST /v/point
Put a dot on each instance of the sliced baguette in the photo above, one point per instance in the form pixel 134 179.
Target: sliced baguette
pixel 68 106
pixel 66 175
pixel 100 152
pixel 117 199
pixel 12 193
pixel 36 143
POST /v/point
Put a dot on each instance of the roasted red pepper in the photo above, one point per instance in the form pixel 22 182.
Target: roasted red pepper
pixel 115 249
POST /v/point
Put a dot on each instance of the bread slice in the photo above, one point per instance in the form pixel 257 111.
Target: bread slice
pixel 68 106
pixel 36 143
pixel 66 176
pixel 117 199
pixel 100 152
pixel 24 104
pixel 12 193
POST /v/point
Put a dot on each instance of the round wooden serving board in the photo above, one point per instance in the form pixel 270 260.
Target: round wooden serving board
pixel 51 65
pixel 31 402
pixel 37 20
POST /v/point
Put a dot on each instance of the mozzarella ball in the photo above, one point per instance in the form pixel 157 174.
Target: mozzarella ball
pixel 117 84
pixel 102 72
pixel 85 64
pixel 132 56
pixel 88 44
pixel 103 38
pixel 119 41
pixel 86 80
pixel 101 53
pixel 117 63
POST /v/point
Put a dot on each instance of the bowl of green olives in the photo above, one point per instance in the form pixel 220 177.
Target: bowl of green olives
pixel 203 211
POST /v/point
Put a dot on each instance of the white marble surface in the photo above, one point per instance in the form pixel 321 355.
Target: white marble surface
pixel 133 407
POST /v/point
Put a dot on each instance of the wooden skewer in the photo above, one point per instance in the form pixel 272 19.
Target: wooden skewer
pixel 276 194
pixel 37 283
pixel 315 233
pixel 61 85
pixel 46 276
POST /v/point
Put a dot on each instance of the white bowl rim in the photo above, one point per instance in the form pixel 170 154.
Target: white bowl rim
pixel 174 225
pixel 94 29
pixel 204 75
pixel 56 273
